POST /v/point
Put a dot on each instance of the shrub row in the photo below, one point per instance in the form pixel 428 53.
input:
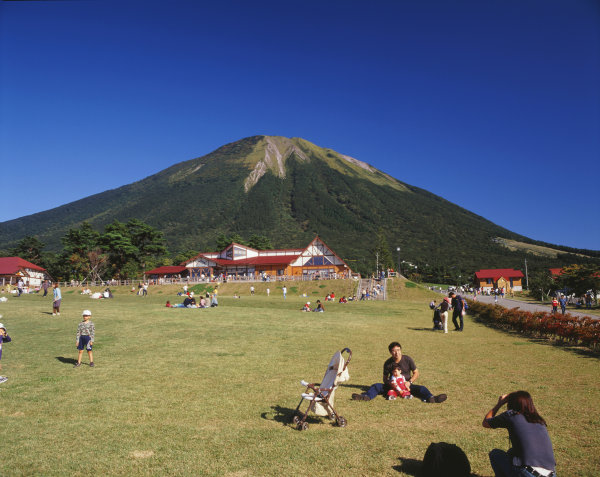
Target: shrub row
pixel 566 328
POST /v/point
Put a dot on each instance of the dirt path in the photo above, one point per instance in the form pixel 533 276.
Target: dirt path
pixel 508 303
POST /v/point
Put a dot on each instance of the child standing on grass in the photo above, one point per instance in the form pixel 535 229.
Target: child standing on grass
pixel 4 338
pixel 57 299
pixel 85 337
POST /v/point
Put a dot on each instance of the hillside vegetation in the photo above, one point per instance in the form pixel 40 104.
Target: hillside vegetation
pixel 289 190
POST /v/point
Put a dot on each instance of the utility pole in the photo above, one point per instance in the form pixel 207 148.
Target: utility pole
pixel 399 271
pixel 377 263
pixel 526 276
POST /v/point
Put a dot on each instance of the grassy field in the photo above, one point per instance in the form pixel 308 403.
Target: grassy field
pixel 212 392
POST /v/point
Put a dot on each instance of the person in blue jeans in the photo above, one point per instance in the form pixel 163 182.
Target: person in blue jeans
pixel 409 370
pixel 531 454
pixel 562 301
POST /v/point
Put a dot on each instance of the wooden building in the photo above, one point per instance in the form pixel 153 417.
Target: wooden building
pixel 506 278
pixel 14 268
pixel 316 260
pixel 167 271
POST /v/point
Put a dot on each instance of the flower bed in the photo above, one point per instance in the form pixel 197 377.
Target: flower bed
pixel 566 328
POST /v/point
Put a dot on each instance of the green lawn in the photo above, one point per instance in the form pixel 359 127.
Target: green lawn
pixel 211 392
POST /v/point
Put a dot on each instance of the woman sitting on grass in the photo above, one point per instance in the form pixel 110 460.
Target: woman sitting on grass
pixel 531 454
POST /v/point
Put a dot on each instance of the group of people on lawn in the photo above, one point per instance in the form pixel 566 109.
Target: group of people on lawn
pixel 531 454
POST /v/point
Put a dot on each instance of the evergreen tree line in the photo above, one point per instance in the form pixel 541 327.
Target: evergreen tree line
pixel 122 251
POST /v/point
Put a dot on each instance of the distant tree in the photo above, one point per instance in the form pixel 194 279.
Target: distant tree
pixel 29 248
pixel 381 250
pixel 542 285
pixel 237 238
pixel 184 256
pixel 222 242
pixel 117 243
pixel 259 242
pixel 579 279
pixel 131 246
pixel 148 241
pixel 82 252
pixel 58 268
pixel 80 241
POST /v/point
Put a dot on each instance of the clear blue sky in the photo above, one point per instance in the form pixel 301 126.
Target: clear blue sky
pixel 493 105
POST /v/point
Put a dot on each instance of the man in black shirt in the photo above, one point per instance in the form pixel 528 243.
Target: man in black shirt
pixel 409 370
pixel 458 306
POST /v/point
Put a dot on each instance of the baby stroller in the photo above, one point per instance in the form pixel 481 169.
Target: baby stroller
pixel 437 319
pixel 320 396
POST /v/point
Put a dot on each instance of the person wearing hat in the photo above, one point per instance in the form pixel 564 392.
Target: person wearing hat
pixel 85 337
pixel 4 338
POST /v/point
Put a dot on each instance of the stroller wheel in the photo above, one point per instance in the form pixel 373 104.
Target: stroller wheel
pixel 341 421
pixel 302 426
pixel 296 419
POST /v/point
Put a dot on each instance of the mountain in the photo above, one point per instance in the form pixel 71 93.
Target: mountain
pixel 289 189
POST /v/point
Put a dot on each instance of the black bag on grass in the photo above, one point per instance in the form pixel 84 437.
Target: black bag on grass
pixel 445 460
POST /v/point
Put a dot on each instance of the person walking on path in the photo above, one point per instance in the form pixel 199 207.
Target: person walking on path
pixel 531 454
pixel 57 299
pixel 85 338
pixel 554 305
pixel 563 304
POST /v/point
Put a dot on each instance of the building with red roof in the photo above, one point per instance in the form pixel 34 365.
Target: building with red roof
pixel 315 260
pixel 14 268
pixel 506 278
pixel 167 271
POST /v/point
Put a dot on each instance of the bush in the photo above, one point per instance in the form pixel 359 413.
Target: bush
pixel 565 328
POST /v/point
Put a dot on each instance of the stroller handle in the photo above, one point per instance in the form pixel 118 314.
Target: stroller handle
pixel 349 351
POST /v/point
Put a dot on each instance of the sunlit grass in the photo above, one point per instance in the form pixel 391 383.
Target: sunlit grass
pixel 211 392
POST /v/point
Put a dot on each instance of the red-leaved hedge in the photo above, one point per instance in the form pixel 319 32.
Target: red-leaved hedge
pixel 567 328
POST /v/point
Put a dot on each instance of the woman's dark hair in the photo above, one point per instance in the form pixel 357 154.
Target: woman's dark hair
pixel 393 344
pixel 521 402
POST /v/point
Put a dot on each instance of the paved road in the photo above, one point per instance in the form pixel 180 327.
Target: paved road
pixel 508 303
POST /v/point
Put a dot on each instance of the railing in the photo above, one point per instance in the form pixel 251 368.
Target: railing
pixel 196 280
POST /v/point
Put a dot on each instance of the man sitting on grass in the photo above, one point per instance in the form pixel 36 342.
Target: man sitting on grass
pixel 410 372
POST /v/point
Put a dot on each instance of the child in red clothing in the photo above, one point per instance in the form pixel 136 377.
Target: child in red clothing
pixel 397 386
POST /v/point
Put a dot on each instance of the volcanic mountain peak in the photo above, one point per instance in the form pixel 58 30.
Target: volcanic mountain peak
pixel 270 153
pixel 274 151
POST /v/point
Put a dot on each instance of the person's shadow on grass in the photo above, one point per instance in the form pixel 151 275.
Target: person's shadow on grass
pixel 64 360
pixel 413 467
pixel 409 466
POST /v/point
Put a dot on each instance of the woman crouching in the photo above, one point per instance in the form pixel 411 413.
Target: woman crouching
pixel 531 454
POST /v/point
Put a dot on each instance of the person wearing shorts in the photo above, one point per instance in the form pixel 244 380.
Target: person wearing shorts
pixel 85 338
pixel 56 301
